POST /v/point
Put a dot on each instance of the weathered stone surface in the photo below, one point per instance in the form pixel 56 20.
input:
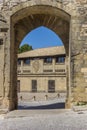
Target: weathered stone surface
pixel 40 71
pixel 67 18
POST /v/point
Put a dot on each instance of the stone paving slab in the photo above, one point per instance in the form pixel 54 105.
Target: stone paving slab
pixel 29 113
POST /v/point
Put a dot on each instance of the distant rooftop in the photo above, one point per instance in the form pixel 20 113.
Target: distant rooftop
pixel 51 51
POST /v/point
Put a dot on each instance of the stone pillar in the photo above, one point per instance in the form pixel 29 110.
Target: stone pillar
pixel 68 97
pixel 10 71
pixel 4 62
pixel 1 65
pixel 21 66
pixel 53 65
pixel 6 83
pixel 14 48
pixel 78 81
pixel 68 71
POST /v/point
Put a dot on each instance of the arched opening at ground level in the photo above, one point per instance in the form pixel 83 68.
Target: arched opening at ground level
pixel 41 72
pixel 24 21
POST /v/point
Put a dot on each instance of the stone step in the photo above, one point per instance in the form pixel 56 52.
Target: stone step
pixel 80 108
pixel 30 113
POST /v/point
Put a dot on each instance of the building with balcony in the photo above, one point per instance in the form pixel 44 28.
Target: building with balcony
pixel 42 70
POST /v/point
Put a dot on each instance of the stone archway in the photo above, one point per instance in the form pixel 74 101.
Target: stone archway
pixel 63 17
pixel 33 17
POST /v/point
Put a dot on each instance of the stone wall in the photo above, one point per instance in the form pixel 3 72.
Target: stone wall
pixel 73 32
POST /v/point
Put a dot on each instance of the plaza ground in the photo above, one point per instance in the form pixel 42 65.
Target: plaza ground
pixel 44 120
pixel 43 115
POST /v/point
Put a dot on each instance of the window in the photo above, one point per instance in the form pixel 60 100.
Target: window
pixel 47 70
pixel 26 71
pixel 26 61
pixel 19 61
pixel 51 86
pixel 18 86
pixel 48 60
pixel 60 59
pixel 60 70
pixel 34 85
pixel 1 41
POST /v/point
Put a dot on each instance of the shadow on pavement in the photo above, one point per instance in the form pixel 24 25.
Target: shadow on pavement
pixel 50 106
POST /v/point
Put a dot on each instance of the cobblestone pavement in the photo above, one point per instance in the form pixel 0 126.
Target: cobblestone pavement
pixel 44 120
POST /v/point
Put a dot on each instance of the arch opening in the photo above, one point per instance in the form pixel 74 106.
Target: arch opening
pixel 42 37
pixel 46 83
pixel 25 24
pixel 59 26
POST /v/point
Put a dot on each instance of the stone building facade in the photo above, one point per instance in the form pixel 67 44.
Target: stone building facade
pixel 42 70
pixel 67 18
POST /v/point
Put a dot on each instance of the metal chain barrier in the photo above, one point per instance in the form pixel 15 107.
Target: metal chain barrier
pixel 46 98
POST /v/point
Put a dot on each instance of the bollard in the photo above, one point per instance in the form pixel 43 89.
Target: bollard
pixel 34 98
pixel 46 97
pixel 21 98
pixel 58 95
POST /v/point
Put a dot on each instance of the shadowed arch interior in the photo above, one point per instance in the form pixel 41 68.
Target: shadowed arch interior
pixel 27 20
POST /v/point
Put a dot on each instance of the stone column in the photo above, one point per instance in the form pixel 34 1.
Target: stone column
pixel 68 71
pixel 68 97
pixel 13 62
pixel 78 82
pixel 1 66
pixel 21 66
pixel 6 76
pixel 10 70
pixel 5 82
pixel 53 65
